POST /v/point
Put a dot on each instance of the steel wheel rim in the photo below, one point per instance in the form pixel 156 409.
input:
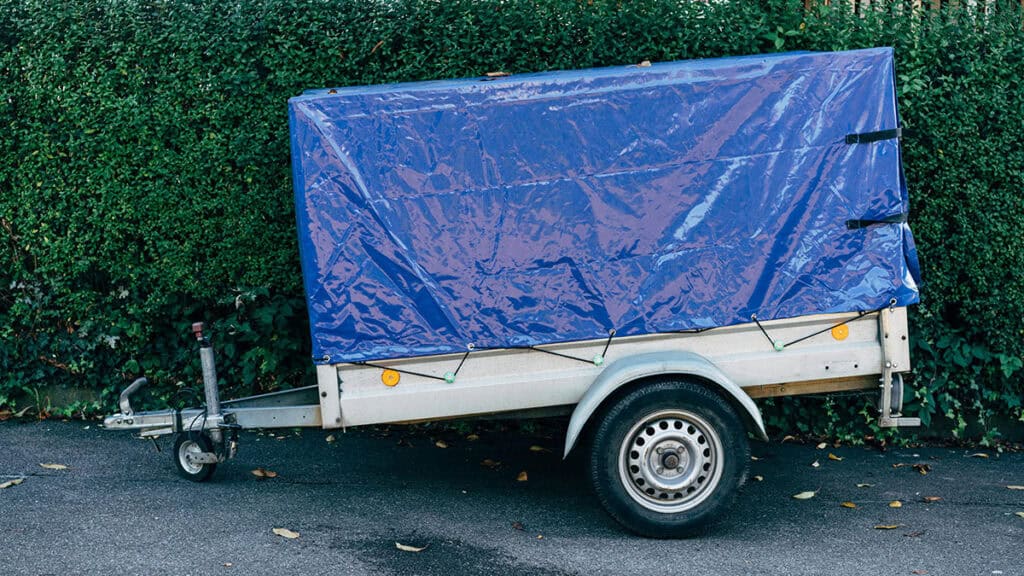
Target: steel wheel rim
pixel 678 438
pixel 184 450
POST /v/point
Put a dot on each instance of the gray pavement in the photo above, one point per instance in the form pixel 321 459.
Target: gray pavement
pixel 120 509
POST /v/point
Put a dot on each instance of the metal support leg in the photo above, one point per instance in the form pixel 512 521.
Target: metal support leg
pixel 210 388
pixel 888 419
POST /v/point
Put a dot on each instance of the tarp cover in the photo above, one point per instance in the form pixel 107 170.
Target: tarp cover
pixel 557 206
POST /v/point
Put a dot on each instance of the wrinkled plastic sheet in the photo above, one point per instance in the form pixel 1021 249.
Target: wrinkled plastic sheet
pixel 555 207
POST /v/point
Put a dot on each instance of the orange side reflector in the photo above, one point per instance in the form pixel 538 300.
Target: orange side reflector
pixel 390 377
pixel 840 332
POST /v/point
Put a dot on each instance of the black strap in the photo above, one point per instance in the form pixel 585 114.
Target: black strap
pixel 867 137
pixel 894 219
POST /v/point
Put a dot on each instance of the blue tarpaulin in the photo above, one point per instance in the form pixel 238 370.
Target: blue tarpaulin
pixel 558 206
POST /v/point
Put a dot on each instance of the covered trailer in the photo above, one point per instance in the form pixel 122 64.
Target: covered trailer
pixel 647 248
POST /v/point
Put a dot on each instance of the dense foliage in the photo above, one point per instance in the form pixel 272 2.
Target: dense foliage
pixel 146 179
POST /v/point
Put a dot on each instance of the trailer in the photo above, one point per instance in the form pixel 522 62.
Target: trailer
pixel 646 248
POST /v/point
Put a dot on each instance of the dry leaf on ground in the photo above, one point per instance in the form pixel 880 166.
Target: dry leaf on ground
pixel 978 455
pixel 472 437
pixel 441 444
pixel 887 526
pixel 497 74
pixel 54 466
pixel 900 465
pixel 919 572
pixel 832 456
pixel 518 526
pixel 754 458
pixel 848 505
pixel 1011 487
pixel 492 464
pixel 1021 514
pixel 405 548
pixel 286 533
pixel 522 477
pixel 536 448
pixel 922 468
pixel 263 473
pixel 822 446
pixel 895 504
pixel 758 478
pixel 10 483
pixel 931 499
pixel 815 464
pixel 863 485
pixel 805 495
pixel 330 438
pixel 788 438
pixel 644 64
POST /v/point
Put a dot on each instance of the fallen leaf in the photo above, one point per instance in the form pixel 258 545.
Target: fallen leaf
pixel 978 455
pixel 5 414
pixel 758 478
pixel 644 64
pixel 848 505
pixel 923 468
pixel 262 473
pixel 330 438
pixel 376 47
pixel 10 483
pixel 538 449
pixel 805 495
pixel 887 526
pixel 286 533
pixel 497 74
pixel 754 458
pixel 919 572
pixel 1011 487
pixel 864 485
pixel 815 464
pixel 405 548
pixel 270 473
pixel 441 444
pixel 895 504
pixel 832 456
pixel 54 466
pixel 228 564
pixel 540 536
pixel 492 464
pixel 931 499
pixel 822 446
pixel 518 526
pixel 899 465
pixel 1021 514
pixel 472 437
pixel 788 438
pixel 522 477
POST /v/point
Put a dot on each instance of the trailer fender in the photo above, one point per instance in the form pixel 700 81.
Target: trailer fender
pixel 623 372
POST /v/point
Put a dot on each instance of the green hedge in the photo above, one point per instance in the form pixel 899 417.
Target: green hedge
pixel 146 175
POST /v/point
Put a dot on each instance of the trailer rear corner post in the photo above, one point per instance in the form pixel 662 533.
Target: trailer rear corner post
pixel 891 401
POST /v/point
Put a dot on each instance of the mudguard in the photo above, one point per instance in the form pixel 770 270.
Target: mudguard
pixel 628 370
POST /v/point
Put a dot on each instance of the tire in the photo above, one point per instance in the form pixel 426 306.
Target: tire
pixel 667 458
pixel 185 443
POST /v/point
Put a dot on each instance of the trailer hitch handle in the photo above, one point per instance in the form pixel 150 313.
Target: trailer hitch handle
pixel 124 402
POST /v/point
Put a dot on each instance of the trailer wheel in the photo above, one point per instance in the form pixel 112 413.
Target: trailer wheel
pixel 185 444
pixel 667 458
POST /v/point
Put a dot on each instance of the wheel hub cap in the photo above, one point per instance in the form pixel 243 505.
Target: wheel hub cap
pixel 671 461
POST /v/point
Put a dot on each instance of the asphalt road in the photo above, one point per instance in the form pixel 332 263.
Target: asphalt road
pixel 120 509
